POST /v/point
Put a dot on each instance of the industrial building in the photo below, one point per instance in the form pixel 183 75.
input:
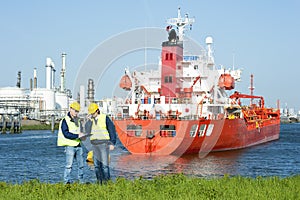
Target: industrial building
pixel 35 103
pixel 44 104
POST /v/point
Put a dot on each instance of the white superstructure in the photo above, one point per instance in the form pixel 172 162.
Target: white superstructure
pixel 184 82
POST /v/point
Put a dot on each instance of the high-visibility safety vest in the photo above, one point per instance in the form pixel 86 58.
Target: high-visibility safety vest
pixel 61 140
pixel 99 130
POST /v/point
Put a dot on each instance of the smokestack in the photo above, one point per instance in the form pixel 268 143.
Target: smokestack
pixel 91 91
pixel 52 75
pixel 48 73
pixel 19 79
pixel 34 78
pixel 62 73
pixel 30 82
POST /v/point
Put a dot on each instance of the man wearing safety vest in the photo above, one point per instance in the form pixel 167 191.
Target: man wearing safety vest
pixel 103 138
pixel 69 134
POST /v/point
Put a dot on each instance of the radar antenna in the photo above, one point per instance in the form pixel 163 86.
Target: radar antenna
pixel 181 23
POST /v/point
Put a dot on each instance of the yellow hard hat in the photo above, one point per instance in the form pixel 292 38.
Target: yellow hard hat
pixel 75 105
pixel 92 108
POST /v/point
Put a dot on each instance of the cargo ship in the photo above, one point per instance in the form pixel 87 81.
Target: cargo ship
pixel 188 104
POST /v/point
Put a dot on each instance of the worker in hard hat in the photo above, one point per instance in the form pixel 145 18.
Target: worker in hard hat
pixel 103 139
pixel 69 134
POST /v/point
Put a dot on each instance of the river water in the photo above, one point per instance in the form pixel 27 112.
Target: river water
pixel 34 155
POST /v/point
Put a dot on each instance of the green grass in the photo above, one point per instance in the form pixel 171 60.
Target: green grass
pixel 39 127
pixel 161 187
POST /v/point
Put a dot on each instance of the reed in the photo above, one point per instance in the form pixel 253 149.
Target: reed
pixel 161 187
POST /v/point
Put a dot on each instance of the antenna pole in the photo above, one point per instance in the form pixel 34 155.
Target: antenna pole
pixel 251 88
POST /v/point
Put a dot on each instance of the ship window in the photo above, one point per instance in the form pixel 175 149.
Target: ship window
pixel 125 109
pixel 134 130
pixel 167 56
pixel 167 131
pixel 209 129
pixel 168 79
pixel 193 130
pixel 202 129
pixel 171 56
pixel 195 66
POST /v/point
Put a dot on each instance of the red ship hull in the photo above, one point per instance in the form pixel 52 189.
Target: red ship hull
pixel 193 136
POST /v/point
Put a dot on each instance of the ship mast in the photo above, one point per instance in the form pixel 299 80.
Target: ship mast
pixel 181 23
pixel 251 88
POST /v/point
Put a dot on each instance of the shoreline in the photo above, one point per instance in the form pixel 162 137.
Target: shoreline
pixel 37 125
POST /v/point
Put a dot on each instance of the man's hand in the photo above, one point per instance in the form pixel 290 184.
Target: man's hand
pixel 111 147
pixel 81 136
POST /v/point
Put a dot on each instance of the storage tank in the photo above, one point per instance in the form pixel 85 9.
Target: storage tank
pixel 13 97
pixel 46 96
pixel 62 100
pixel 12 92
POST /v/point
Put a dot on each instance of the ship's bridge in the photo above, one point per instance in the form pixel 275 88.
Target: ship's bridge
pixel 190 58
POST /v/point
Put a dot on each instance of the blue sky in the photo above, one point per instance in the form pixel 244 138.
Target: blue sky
pixel 263 36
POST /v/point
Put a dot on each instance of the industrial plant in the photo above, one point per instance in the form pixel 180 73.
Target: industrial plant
pixel 36 103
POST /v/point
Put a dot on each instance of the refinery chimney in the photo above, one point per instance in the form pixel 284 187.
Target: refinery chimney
pixel 34 78
pixel 49 73
pixel 91 91
pixel 30 82
pixel 33 83
pixel 19 79
pixel 63 72
pixel 52 75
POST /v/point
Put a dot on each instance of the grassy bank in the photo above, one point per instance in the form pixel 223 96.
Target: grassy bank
pixel 38 127
pixel 162 187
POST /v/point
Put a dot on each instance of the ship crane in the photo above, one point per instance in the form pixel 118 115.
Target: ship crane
pixel 198 78
pixel 238 95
